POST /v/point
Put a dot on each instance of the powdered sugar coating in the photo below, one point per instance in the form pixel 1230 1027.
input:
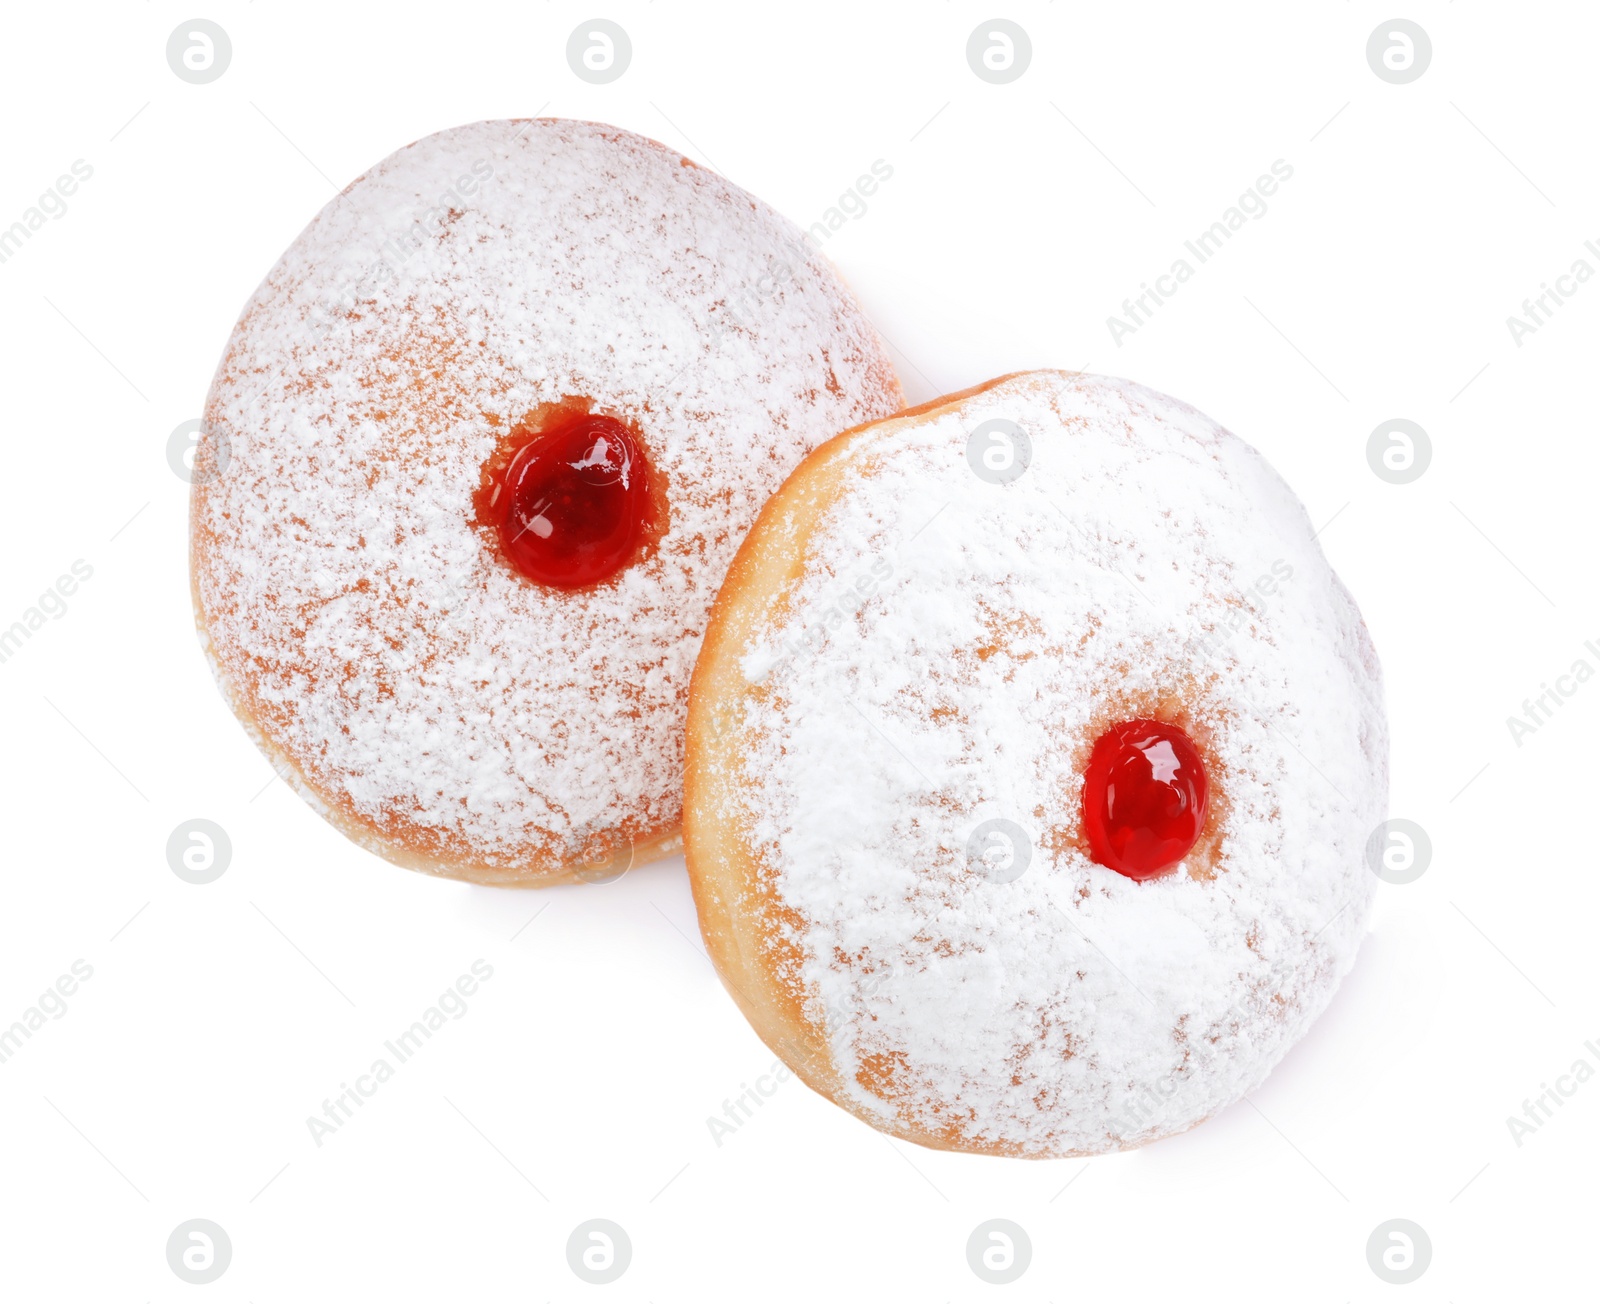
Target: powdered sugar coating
pixel 425 692
pixel 1069 1009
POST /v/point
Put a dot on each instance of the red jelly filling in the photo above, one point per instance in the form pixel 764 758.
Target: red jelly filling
pixel 572 506
pixel 1144 798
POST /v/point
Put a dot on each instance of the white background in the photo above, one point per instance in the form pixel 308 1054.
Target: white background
pixel 578 1085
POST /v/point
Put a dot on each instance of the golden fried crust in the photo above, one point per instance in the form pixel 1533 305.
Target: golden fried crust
pixel 740 912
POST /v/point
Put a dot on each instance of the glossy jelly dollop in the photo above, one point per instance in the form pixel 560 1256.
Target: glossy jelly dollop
pixel 575 501
pixel 1144 798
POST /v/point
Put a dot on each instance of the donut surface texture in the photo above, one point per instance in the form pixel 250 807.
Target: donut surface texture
pixel 437 706
pixel 919 639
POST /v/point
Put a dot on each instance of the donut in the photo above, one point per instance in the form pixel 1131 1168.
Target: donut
pixel 1033 750
pixel 473 464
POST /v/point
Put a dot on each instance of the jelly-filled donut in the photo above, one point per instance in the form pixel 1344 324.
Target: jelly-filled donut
pixel 1033 750
pixel 473 465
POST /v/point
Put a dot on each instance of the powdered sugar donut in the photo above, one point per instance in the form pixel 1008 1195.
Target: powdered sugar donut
pixel 1033 750
pixel 474 463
